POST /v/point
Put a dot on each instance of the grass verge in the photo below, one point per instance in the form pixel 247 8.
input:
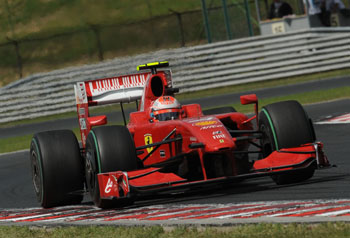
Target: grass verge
pixel 266 230
pixel 303 98
pixel 265 84
pixel 15 143
pixel 22 142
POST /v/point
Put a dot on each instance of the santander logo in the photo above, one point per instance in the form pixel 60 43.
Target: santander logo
pixel 101 86
pixel 109 186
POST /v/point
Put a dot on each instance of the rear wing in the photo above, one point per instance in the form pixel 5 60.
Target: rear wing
pixel 121 89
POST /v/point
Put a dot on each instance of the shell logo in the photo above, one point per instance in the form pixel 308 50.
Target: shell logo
pixel 205 123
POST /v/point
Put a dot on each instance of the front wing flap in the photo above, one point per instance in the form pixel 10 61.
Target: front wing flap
pixel 113 184
pixel 290 158
pixel 120 184
pixel 117 184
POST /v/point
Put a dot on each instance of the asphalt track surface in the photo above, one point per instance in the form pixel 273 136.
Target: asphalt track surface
pixel 211 101
pixel 17 189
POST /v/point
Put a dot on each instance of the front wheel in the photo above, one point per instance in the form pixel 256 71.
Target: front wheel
pixel 286 125
pixel 108 149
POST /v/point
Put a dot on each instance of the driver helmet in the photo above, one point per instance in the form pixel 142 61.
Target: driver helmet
pixel 165 108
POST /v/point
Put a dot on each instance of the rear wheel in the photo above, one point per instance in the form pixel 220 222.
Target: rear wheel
pixel 57 168
pixel 285 125
pixel 108 149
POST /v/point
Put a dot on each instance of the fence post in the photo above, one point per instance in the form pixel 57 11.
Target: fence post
pixel 96 30
pixel 18 56
pixel 19 59
pixel 250 28
pixel 227 20
pixel 206 21
pixel 155 37
pixel 179 20
pixel 257 7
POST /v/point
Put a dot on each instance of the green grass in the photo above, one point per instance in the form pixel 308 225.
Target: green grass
pixel 42 19
pixel 303 98
pixel 22 142
pixel 54 34
pixel 22 18
pixel 39 119
pixel 323 230
pixel 265 84
pixel 94 110
pixel 15 143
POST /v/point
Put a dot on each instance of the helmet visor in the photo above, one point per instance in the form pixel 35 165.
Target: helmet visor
pixel 167 116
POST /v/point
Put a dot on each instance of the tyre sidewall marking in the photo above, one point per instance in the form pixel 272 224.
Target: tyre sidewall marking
pixel 272 127
pixel 40 166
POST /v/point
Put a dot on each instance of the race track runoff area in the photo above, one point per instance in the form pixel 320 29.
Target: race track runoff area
pixel 279 211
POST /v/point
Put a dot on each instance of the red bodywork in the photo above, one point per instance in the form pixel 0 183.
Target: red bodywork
pixel 195 141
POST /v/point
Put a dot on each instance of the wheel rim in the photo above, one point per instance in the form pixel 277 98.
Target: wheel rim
pixel 90 173
pixel 36 177
pixel 265 141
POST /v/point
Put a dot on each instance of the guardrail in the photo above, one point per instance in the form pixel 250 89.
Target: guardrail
pixel 194 68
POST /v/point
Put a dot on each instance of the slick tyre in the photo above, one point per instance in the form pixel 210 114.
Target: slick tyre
pixel 285 125
pixel 108 149
pixel 57 168
pixel 219 110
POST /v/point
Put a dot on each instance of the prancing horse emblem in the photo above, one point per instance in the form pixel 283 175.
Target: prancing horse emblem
pixel 148 140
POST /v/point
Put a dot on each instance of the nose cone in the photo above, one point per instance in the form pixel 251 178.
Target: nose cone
pixel 212 133
pixel 217 140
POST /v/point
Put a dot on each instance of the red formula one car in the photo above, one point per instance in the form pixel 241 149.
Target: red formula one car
pixel 167 145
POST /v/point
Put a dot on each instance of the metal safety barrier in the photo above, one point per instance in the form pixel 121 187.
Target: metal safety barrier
pixel 194 68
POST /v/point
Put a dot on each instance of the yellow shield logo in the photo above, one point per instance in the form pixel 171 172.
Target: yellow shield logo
pixel 205 123
pixel 148 140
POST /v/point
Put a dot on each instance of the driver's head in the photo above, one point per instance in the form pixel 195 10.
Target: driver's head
pixel 165 108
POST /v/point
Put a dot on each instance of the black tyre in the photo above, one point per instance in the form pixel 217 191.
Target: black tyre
pixel 285 125
pixel 108 149
pixel 57 168
pixel 218 110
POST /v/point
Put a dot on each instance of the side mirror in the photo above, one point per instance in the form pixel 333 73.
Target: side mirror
pixel 249 99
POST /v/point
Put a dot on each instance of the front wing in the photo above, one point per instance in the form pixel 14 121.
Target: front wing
pixel 150 180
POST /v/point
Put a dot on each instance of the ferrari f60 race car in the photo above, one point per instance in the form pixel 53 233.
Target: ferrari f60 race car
pixel 167 145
